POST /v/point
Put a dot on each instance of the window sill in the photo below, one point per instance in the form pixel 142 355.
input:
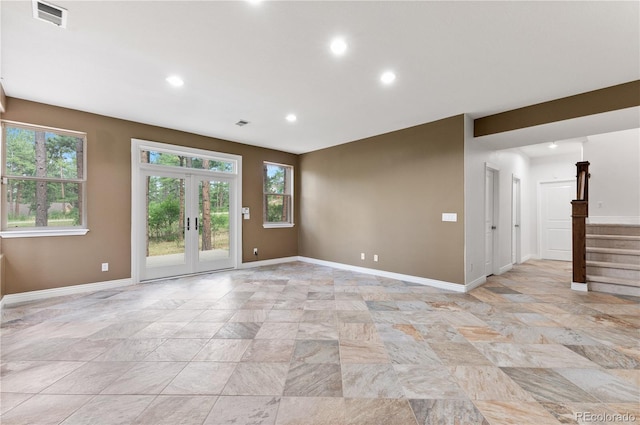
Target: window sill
pixel 10 234
pixel 277 225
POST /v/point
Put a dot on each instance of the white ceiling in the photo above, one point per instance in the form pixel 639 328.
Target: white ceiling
pixel 562 147
pixel 261 62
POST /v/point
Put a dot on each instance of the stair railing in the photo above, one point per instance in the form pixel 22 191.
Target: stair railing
pixel 579 214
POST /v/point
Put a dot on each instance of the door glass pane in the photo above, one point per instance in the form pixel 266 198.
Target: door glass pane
pixel 213 221
pixel 165 221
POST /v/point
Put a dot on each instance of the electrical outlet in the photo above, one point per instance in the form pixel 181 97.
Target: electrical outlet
pixel 105 267
pixel 375 257
pixel 362 256
pixel 255 251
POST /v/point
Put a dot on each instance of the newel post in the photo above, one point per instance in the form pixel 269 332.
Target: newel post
pixel 579 214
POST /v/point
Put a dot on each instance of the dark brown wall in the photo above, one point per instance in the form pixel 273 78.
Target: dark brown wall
pixel 385 195
pixel 594 102
pixel 50 262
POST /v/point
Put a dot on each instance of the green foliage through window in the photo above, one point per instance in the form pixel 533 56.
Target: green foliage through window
pixel 278 199
pixel 44 175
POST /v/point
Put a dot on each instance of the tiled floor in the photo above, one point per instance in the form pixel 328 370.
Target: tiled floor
pixel 303 344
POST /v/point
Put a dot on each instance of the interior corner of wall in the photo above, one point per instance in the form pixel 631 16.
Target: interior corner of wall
pixel 2 280
pixel 3 100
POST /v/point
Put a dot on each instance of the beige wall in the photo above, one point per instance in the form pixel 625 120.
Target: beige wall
pixel 50 262
pixel 385 195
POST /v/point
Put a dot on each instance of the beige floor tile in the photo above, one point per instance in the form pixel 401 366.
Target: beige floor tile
pixel 173 410
pixel 110 410
pixel 200 378
pixel 298 344
pixel 311 411
pixel 244 410
pixel 44 409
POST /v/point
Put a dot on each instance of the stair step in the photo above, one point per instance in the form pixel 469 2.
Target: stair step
pixel 614 289
pixel 614 241
pixel 621 237
pixel 619 251
pixel 613 229
pixel 610 265
pixel 613 258
pixel 613 280
pixel 616 272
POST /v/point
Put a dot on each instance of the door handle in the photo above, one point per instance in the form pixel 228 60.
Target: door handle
pixel 517 225
pixel 493 227
pixel 196 223
pixel 188 223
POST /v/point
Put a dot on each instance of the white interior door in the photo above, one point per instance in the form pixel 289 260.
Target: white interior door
pixel 555 219
pixel 516 257
pixel 490 221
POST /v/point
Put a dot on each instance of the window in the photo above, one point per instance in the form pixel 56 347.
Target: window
pixel 174 159
pixel 278 195
pixel 43 177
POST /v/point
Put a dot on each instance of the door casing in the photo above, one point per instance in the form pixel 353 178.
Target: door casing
pixel 137 201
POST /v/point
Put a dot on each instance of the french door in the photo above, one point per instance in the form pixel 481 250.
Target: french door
pixel 185 213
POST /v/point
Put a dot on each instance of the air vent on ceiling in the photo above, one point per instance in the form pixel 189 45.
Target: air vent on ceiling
pixel 242 123
pixel 50 13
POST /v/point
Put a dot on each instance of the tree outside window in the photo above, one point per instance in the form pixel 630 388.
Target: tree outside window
pixel 278 194
pixel 44 177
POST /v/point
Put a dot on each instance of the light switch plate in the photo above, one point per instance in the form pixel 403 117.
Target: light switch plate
pixel 449 217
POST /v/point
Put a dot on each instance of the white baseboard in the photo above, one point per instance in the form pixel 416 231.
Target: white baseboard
pixel 505 269
pixel 65 290
pixel 475 283
pixel 601 219
pixel 527 258
pixel 91 287
pixel 391 275
pixel 271 262
pixel 582 287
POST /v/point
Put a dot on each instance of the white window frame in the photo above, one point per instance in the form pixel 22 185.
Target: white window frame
pixel 31 232
pixel 289 174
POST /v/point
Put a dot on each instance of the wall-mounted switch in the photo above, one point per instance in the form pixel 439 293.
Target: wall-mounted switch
pixel 105 267
pixel 449 217
pixel 375 257
pixel 246 213
pixel 362 256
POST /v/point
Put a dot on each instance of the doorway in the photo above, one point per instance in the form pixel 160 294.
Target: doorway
pixel 185 205
pixel 516 244
pixel 555 219
pixel 491 219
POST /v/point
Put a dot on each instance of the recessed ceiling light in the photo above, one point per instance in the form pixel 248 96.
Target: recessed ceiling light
pixel 175 81
pixel 338 46
pixel 553 145
pixel 388 77
pixel 291 118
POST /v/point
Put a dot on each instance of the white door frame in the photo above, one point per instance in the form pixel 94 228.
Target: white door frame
pixel 495 269
pixel 516 219
pixel 539 208
pixel 137 203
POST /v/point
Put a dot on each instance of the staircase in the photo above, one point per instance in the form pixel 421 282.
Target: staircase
pixel 613 258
